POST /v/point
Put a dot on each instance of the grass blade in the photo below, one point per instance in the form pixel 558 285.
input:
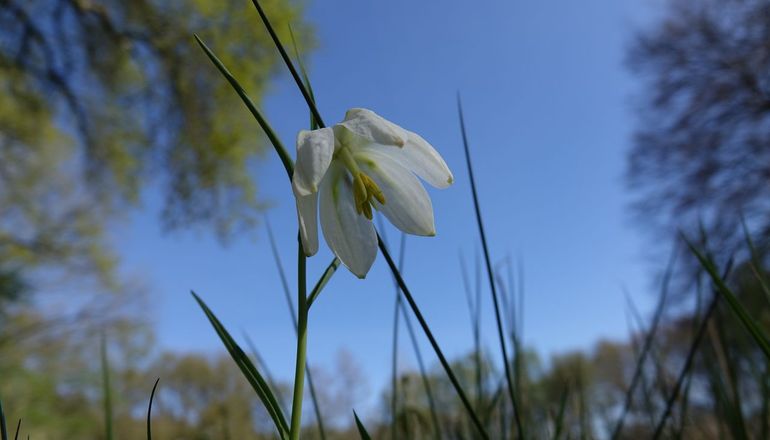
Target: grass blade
pixel 3 427
pixel 401 308
pixel 288 164
pixel 149 409
pixel 305 93
pixel 688 360
pixel 429 334
pixel 108 432
pixel 490 274
pixel 319 286
pixel 248 369
pixel 559 423
pixel 18 428
pixel 361 430
pixel 748 322
pixel 646 346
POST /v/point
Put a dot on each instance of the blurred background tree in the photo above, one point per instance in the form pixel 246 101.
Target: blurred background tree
pixel 101 99
pixel 701 151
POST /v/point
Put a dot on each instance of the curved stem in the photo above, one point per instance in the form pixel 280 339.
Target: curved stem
pixel 299 370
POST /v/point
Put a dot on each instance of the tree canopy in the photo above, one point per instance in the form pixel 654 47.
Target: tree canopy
pixel 102 99
pixel 701 153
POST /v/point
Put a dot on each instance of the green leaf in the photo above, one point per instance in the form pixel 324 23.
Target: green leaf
pixel 361 429
pixel 288 164
pixel 249 371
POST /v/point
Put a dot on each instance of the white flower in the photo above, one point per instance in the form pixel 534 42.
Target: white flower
pixel 363 162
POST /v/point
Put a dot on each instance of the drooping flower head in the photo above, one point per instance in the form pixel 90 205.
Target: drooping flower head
pixel 363 163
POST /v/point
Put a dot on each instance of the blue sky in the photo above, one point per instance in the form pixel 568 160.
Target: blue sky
pixel 548 111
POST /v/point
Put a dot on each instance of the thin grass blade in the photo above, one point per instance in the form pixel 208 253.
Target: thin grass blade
pixel 490 275
pixel 689 359
pixel 559 423
pixel 3 427
pixel 305 93
pixel 321 283
pixel 149 409
pixel 248 369
pixel 361 430
pixel 288 164
pixel 429 334
pixel 646 346
pixel 745 318
pixel 107 402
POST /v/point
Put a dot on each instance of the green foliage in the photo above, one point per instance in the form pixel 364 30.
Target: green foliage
pixel 100 100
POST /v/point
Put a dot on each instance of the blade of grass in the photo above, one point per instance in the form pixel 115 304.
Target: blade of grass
pixel 288 164
pixel 321 283
pixel 394 348
pixel 756 263
pixel 559 424
pixel 305 77
pixel 646 346
pixel 18 428
pixel 149 409
pixel 432 407
pixel 107 402
pixel 248 369
pixel 305 93
pixel 361 430
pixel 261 364
pixel 3 427
pixel 490 274
pixel 473 307
pixel 748 322
pixel 394 369
pixel 689 359
pixel 728 363
pixel 429 334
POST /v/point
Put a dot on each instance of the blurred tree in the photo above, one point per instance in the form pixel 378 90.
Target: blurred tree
pixel 100 99
pixel 702 147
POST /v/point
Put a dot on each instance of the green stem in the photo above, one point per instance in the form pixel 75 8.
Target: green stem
pixel 299 370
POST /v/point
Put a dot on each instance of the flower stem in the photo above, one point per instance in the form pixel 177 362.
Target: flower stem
pixel 299 370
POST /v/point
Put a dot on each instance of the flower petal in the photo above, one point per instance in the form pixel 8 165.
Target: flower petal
pixel 314 154
pixel 373 127
pixel 407 204
pixel 421 158
pixel 307 213
pixel 349 235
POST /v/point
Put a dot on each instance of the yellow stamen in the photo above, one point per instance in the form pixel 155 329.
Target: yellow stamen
pixel 359 193
pixel 367 208
pixel 372 189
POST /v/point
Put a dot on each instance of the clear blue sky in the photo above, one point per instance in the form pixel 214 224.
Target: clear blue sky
pixel 547 104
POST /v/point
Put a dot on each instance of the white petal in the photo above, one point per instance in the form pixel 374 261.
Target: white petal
pixel 314 153
pixel 373 127
pixel 421 158
pixel 349 235
pixel 407 204
pixel 307 213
